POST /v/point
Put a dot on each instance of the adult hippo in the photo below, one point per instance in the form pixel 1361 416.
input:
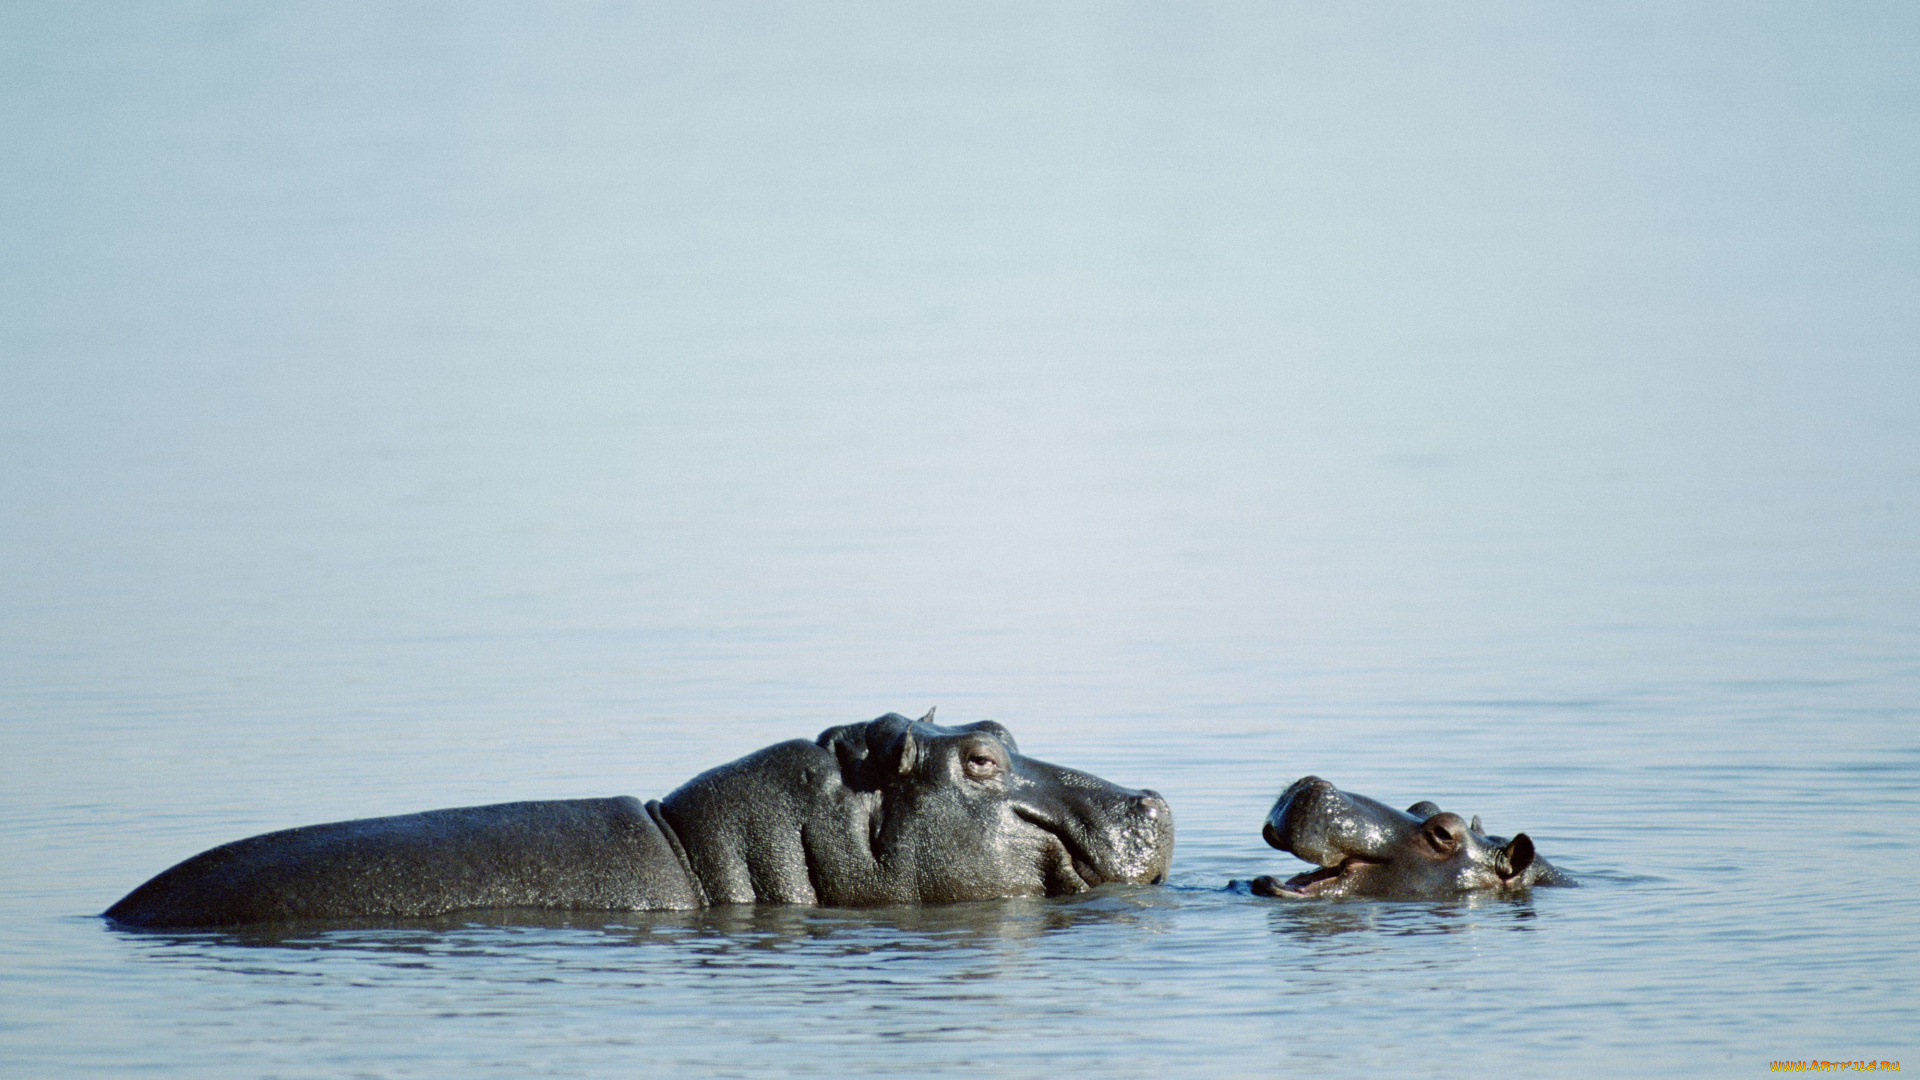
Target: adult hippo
pixel 1366 848
pixel 893 811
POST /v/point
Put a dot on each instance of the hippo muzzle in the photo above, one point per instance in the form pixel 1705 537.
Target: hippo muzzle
pixel 1104 833
pixel 1366 848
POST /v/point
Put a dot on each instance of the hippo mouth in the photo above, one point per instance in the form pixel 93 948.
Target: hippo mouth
pixel 1081 869
pixel 1073 867
pixel 1319 881
pixel 1070 867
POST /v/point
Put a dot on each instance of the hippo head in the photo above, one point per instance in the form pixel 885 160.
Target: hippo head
pixel 1366 848
pixel 907 811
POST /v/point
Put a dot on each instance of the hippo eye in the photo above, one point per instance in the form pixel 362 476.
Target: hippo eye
pixel 1443 838
pixel 980 765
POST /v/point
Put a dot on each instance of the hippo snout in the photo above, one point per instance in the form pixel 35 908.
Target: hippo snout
pixel 1307 789
pixel 1146 850
pixel 1320 823
pixel 1272 836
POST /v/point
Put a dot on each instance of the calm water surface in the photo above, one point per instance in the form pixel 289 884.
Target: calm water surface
pixel 1511 406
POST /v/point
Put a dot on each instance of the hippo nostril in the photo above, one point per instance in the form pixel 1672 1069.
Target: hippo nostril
pixel 1272 836
pixel 1150 804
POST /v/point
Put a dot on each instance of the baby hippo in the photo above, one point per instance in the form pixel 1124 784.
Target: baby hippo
pixel 1366 848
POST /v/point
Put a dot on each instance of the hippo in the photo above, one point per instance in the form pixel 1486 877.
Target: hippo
pixel 1366 848
pixel 890 811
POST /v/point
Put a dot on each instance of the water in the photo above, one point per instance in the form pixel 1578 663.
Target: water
pixel 1514 407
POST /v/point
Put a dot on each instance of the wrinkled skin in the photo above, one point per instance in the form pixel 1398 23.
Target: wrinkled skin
pixel 893 811
pixel 1366 848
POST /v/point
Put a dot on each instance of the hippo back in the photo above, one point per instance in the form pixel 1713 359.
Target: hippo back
pixel 579 854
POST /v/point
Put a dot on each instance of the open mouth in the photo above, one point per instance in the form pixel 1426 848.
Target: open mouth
pixel 1316 882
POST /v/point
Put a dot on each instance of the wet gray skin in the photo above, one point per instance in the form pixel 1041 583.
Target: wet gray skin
pixel 892 811
pixel 1367 848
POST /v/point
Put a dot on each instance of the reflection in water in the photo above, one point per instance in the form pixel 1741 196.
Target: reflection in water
pixel 1400 918
pixel 712 936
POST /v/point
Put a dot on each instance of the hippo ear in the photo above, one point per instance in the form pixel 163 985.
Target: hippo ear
pixel 873 752
pixel 1515 857
pixel 928 719
pixel 891 749
pixel 905 751
pixel 1476 825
